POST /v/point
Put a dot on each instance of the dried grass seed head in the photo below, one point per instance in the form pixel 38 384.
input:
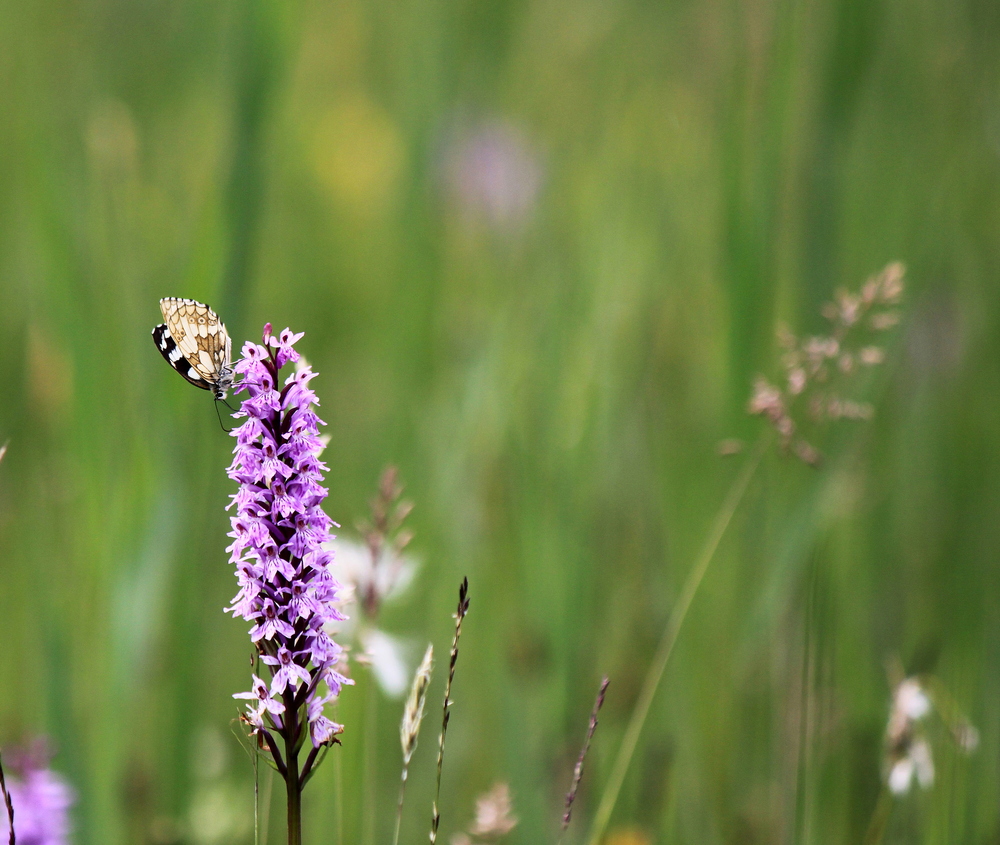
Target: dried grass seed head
pixel 413 713
pixel 385 539
pixel 494 813
pixel 815 366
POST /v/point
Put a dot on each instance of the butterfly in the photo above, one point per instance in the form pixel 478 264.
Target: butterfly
pixel 195 343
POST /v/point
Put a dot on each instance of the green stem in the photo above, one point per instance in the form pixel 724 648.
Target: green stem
pixel 399 805
pixel 368 806
pixel 666 647
pixel 880 818
pixel 265 815
pixel 338 784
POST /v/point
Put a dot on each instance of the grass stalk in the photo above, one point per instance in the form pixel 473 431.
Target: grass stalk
pixel 463 609
pixel 399 804
pixel 370 767
pixel 338 786
pixel 265 815
pixel 409 728
pixel 674 624
pixel 880 818
pixel 578 770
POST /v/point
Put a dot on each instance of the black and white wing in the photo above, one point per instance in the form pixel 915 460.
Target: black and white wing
pixel 196 344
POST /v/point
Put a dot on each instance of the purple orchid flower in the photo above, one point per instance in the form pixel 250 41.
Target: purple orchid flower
pixel 280 549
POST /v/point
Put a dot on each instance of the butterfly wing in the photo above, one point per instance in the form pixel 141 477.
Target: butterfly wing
pixel 200 336
pixel 169 350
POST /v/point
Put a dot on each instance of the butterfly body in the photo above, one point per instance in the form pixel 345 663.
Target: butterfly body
pixel 194 341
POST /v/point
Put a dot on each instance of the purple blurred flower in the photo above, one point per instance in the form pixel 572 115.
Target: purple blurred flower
pixel 286 590
pixel 492 171
pixel 41 800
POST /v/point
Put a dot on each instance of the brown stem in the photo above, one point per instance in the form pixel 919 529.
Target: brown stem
pixel 3 782
pixel 578 770
pixel 293 784
pixel 294 793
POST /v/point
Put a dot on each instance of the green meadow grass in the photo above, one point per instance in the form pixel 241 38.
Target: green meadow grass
pixel 551 386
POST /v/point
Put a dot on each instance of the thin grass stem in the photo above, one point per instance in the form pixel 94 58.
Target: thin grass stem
pixel 880 818
pixel 409 726
pixel 338 786
pixel 674 623
pixel 578 769
pixel 463 609
pixel 370 769
pixel 399 804
pixel 265 816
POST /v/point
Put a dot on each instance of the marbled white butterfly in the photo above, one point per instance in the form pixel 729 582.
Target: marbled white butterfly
pixel 195 343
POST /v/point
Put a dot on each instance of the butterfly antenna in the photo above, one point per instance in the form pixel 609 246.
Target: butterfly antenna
pixel 218 413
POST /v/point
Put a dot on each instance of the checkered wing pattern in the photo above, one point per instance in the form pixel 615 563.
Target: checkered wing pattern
pixel 195 343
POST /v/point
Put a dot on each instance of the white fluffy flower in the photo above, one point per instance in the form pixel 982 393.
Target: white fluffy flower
pixel 388 578
pixel 916 762
pixel 910 700
pixel 388 657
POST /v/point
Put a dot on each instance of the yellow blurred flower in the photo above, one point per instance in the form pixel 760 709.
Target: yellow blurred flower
pixel 627 836
pixel 358 154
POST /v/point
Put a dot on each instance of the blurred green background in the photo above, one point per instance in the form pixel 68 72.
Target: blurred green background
pixel 539 249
